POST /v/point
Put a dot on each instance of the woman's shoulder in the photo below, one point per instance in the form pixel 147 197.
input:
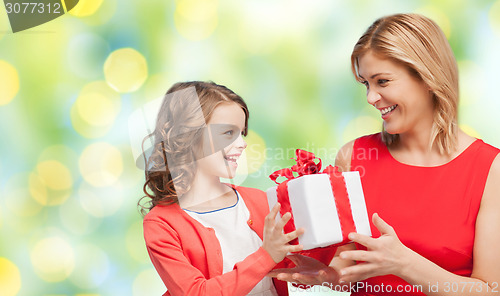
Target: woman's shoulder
pixel 344 155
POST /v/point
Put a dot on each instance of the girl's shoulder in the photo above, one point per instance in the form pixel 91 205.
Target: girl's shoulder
pixel 248 190
pixel 163 213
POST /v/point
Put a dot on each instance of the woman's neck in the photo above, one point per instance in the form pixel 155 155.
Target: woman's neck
pixel 417 149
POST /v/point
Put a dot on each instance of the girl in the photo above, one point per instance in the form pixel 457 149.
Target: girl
pixel 205 237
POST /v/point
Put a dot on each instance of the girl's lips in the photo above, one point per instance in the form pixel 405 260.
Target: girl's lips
pixel 232 158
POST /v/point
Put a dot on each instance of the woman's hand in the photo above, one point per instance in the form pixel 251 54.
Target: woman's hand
pixel 307 271
pixel 275 242
pixel 384 255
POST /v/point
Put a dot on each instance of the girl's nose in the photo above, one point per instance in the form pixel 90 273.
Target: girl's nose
pixel 240 142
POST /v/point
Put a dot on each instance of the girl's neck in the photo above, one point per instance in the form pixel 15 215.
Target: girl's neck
pixel 205 190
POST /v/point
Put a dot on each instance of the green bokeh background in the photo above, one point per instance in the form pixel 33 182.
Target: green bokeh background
pixel 288 59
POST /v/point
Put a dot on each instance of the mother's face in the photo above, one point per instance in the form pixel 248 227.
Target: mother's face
pixel 404 100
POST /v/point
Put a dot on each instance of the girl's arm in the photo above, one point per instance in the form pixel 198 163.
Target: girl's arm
pixel 387 255
pixel 182 278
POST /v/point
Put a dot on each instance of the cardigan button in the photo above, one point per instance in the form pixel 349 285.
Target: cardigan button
pixel 250 222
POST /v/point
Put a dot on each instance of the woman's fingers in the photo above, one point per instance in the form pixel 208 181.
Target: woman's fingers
pixel 358 272
pixel 382 226
pixel 357 255
pixel 362 239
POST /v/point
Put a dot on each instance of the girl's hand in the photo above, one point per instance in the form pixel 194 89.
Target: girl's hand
pixel 307 271
pixel 384 255
pixel 275 242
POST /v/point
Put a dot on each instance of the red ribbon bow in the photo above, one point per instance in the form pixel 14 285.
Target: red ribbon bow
pixel 305 166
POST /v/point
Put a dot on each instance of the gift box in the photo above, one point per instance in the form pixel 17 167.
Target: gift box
pixel 328 204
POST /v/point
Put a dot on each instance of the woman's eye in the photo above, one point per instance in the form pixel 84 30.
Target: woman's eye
pixel 364 82
pixel 229 133
pixel 382 81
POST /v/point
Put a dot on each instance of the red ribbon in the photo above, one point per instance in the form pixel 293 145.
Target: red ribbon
pixel 305 165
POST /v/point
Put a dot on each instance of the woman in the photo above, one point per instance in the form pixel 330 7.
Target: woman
pixel 205 237
pixel 437 188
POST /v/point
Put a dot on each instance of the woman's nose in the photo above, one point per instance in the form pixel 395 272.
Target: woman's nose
pixel 372 97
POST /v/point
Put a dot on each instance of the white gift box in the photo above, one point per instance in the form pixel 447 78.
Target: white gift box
pixel 314 208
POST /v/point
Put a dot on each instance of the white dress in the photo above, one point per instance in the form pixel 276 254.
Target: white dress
pixel 236 238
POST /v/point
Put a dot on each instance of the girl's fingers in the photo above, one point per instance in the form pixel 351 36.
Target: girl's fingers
pixel 294 248
pixel 294 234
pixel 274 211
pixel 282 222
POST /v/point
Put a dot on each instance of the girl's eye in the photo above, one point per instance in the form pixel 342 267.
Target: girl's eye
pixel 382 81
pixel 364 82
pixel 229 133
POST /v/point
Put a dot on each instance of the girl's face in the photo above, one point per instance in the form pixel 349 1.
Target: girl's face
pixel 404 101
pixel 223 141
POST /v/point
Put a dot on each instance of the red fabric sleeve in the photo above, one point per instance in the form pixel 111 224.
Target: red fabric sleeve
pixel 182 278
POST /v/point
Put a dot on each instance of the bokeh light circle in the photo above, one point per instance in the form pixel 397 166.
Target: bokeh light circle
pixel 86 54
pixel 53 259
pixel 255 154
pixel 135 246
pixel 360 126
pixel 196 20
pixel 470 131
pixel 10 278
pixel 51 183
pixel 148 282
pixel 100 201
pixel 439 17
pixel 95 110
pixel 494 17
pixel 101 164
pixel 55 175
pixel 76 219
pixel 9 82
pixel 86 7
pixel 18 197
pixel 125 70
pixel 91 267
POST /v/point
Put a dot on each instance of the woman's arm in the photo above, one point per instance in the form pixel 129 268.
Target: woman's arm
pixel 387 255
pixel 182 278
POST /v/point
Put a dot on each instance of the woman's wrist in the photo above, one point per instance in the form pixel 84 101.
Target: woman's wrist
pixel 407 264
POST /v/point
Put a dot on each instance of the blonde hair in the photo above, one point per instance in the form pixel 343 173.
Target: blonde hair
pixel 178 136
pixel 418 43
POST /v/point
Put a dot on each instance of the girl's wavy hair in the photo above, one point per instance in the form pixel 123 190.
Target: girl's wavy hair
pixel 178 137
pixel 418 43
